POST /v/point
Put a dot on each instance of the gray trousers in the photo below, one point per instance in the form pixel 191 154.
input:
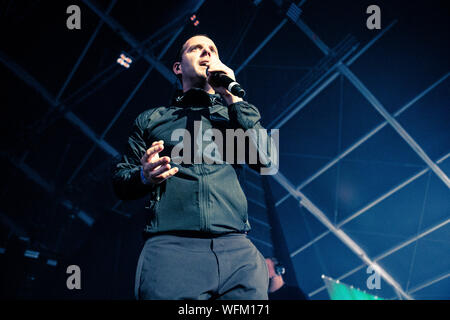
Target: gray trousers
pixel 228 267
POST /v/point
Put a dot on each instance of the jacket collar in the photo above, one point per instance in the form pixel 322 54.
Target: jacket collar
pixel 196 97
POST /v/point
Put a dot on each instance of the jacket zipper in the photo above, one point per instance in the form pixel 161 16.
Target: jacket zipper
pixel 204 201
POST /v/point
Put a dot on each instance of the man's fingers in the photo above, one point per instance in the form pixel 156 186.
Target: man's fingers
pixel 156 148
pixel 159 162
pixel 157 169
pixel 157 142
pixel 218 66
pixel 154 175
pixel 167 174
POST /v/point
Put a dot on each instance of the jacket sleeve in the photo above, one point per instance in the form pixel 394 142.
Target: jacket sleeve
pixel 247 117
pixel 126 178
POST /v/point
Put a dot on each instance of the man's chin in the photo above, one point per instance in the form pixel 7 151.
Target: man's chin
pixel 200 82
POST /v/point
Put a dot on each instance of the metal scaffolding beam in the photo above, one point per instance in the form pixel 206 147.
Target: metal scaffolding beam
pixel 367 94
pixel 54 103
pixel 256 202
pixel 369 206
pixel 261 45
pixel 395 124
pixel 49 188
pixel 93 84
pixel 125 35
pixel 33 83
pixel 277 124
pixel 123 106
pixel 309 96
pixel 266 40
pixel 343 69
pixel 347 240
pixel 267 244
pixel 85 50
pixel 364 138
pixel 388 253
pixel 341 235
pixel 14 227
pixel 429 283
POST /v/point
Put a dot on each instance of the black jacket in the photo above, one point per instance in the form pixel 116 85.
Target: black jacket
pixel 200 197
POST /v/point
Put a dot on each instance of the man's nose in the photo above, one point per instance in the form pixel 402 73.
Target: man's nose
pixel 206 51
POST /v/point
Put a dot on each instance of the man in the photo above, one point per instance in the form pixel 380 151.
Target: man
pixel 196 245
pixel 275 274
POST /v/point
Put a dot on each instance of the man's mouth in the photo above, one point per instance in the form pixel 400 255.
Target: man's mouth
pixel 204 63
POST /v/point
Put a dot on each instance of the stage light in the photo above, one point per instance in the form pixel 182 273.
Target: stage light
pixel 123 63
pixel 193 18
pixel 86 218
pixel 125 60
pixel 31 254
pixel 2 250
pixel 52 262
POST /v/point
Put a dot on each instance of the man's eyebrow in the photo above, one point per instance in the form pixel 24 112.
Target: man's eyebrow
pixel 200 45
pixel 195 46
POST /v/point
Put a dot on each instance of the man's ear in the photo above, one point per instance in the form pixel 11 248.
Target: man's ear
pixel 176 68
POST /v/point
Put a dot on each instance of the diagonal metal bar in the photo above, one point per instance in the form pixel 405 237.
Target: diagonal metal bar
pixel 105 146
pixel 261 45
pixel 265 41
pixel 48 187
pixel 429 283
pixel 267 244
pixel 125 35
pixel 389 193
pixel 75 67
pixel 122 108
pixel 328 81
pixel 14 227
pixel 370 205
pixel 338 171
pixel 366 137
pixel 27 78
pixel 260 222
pixel 242 35
pixel 376 104
pixel 394 123
pixel 33 83
pixel 94 84
pixel 254 185
pixel 341 235
pixel 256 202
pixel 320 215
pixel 388 253
pixel 85 50
pixel 308 94
pixel 419 227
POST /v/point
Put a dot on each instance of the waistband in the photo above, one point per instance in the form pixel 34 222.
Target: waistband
pixel 193 234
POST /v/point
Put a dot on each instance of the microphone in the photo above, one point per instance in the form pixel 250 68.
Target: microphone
pixel 221 80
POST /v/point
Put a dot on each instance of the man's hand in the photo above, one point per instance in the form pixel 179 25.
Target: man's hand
pixel 156 169
pixel 215 65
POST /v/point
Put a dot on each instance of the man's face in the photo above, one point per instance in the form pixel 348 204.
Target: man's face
pixel 198 52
